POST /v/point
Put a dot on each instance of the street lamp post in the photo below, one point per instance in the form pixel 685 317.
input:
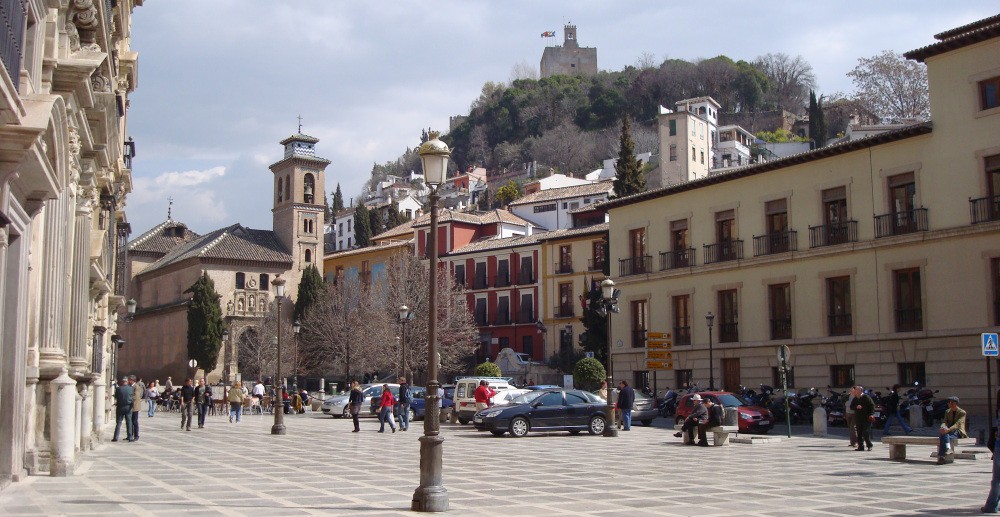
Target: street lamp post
pixel 710 318
pixel 610 305
pixel 431 496
pixel 405 315
pixel 279 391
pixel 228 356
pixel 296 329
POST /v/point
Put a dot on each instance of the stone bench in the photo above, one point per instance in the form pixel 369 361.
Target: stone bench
pixel 720 433
pixel 897 444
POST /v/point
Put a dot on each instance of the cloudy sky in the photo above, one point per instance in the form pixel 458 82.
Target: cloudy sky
pixel 221 82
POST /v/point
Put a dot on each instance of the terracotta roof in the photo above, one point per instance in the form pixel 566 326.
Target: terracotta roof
pixel 795 159
pixel 574 232
pixel 369 249
pixel 602 187
pixel 495 243
pixel 162 238
pixel 400 230
pixel 231 243
pixel 982 30
pixel 479 218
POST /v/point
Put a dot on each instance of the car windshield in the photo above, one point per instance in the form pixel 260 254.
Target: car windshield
pixel 527 397
pixel 731 400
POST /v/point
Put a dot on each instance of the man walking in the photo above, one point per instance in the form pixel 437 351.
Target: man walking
pixel 187 404
pixel 203 397
pixel 405 398
pixel 123 409
pixel 138 393
pixel 626 398
pixel 952 426
pixel 864 411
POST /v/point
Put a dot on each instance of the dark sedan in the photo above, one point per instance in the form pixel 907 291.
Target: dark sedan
pixel 546 410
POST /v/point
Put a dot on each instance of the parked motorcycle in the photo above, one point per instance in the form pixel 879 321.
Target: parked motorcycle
pixel 835 404
pixel 668 405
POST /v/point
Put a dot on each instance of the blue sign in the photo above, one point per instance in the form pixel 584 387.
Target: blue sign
pixel 990 348
pixel 589 354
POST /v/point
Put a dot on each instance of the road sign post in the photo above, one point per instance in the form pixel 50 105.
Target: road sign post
pixel 783 354
pixel 991 348
pixel 658 351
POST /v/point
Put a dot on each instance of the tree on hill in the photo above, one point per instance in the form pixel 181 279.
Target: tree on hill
pixel 205 325
pixel 779 136
pixel 629 178
pixel 395 218
pixel 791 79
pixel 338 200
pixel 508 193
pixel 817 121
pixel 311 289
pixel 375 225
pixel 362 226
pixel 892 87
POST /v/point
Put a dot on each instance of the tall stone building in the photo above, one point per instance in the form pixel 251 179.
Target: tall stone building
pixel 242 262
pixel 65 170
pixel 570 58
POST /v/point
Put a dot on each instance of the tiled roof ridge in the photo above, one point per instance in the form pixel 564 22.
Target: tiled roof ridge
pixel 154 230
pixel 554 193
pixel 979 31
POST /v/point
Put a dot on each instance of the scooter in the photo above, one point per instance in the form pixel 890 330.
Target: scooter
pixel 668 405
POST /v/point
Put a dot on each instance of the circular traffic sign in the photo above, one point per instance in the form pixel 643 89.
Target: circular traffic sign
pixel 784 353
pixel 193 363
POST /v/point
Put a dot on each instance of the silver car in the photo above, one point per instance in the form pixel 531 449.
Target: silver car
pixel 338 405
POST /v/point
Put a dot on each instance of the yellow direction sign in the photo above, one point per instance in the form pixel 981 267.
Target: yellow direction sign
pixel 659 344
pixel 655 335
pixel 659 354
pixel 652 364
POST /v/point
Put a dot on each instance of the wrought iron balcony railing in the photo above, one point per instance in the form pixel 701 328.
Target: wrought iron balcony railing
pixel 831 234
pixel 899 223
pixel 724 251
pixel 985 209
pixel 773 243
pixel 676 259
pixel 635 265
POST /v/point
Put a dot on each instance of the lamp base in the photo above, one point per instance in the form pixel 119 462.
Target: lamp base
pixel 431 495
pixel 610 432
pixel 278 429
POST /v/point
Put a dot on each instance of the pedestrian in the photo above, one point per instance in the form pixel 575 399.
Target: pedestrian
pixel 354 406
pixel 483 395
pixel 892 411
pixel 187 404
pixel 405 399
pixel 715 417
pixel 151 395
pixel 138 393
pixel 626 399
pixel 849 417
pixel 236 402
pixel 699 415
pixel 258 391
pixel 952 426
pixel 203 397
pixel 169 386
pixel 864 415
pixel 603 390
pixel 124 396
pixel 385 412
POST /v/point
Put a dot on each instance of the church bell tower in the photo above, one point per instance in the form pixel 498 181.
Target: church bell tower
pixel 299 184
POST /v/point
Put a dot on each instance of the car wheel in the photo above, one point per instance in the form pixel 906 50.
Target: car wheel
pixel 597 424
pixel 412 416
pixel 347 413
pixel 647 422
pixel 498 433
pixel 463 421
pixel 519 427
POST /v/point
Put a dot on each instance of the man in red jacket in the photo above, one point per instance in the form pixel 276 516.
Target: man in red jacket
pixel 483 395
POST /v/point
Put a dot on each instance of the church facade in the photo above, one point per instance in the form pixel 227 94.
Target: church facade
pixel 242 262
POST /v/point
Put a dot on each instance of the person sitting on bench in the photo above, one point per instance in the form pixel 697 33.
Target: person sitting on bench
pixel 699 415
pixel 715 417
pixel 952 426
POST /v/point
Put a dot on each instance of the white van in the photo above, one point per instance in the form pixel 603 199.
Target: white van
pixel 465 387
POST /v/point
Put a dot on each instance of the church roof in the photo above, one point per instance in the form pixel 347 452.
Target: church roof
pixel 233 243
pixel 162 238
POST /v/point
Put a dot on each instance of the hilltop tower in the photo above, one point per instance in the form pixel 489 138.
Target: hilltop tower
pixel 570 58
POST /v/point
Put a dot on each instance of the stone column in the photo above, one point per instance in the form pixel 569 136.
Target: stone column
pixel 52 352
pixel 86 417
pixel 31 460
pixel 78 418
pixel 79 295
pixel 62 425
pixel 100 390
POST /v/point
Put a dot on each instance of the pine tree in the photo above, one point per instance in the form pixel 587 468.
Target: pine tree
pixel 375 224
pixel 394 218
pixel 205 326
pixel 595 336
pixel 338 200
pixel 629 178
pixel 327 215
pixel 311 289
pixel 817 121
pixel 362 226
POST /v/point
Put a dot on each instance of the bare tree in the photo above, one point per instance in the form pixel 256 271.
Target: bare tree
pixel 522 70
pixel 646 60
pixel 791 79
pixel 257 352
pixel 892 87
pixel 566 148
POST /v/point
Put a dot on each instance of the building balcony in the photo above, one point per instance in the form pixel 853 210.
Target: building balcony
pixel 774 243
pixel 781 328
pixel 724 251
pixel 563 311
pixel 595 265
pixel 831 234
pixel 839 324
pixel 909 320
pixel 560 268
pixel 729 332
pixel 899 223
pixel 985 209
pixel 479 282
pixel 682 336
pixel 635 265
pixel 676 259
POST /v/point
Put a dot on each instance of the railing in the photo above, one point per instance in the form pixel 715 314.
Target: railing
pixel 781 328
pixel 839 324
pixel 595 265
pixel 639 338
pixel 831 234
pixel 479 282
pixel 563 311
pixel 525 316
pixel 909 320
pixel 121 257
pixel 501 281
pixel 563 269
pixel 729 332
pixel 724 251
pixel 676 259
pixel 635 265
pixel 12 15
pixel 985 209
pixel 899 223
pixel 773 243
pixel 682 336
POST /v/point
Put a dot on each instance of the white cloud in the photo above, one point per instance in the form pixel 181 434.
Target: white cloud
pixel 169 180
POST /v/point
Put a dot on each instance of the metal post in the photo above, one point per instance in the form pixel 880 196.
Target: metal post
pixel 295 376
pixel 990 415
pixel 711 355
pixel 431 496
pixel 279 391
pixel 610 430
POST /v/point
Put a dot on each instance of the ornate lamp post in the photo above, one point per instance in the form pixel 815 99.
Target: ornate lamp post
pixel 710 318
pixel 279 390
pixel 296 328
pixel 431 496
pixel 609 299
pixel 228 353
pixel 405 315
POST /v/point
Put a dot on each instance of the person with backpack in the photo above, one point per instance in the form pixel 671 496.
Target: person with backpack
pixel 405 399
pixel 385 413
pixel 892 411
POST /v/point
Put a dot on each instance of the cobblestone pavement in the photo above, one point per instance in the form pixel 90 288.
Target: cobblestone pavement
pixel 321 468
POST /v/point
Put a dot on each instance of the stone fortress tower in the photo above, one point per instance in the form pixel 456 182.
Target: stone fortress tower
pixel 570 58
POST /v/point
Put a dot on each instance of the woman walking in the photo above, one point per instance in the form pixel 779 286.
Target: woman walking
pixel 151 395
pixel 355 404
pixel 385 414
pixel 236 402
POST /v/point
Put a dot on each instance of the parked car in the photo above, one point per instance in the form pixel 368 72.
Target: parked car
pixel 418 407
pixel 376 397
pixel 337 405
pixel 504 397
pixel 644 408
pixel 753 419
pixel 465 387
pixel 546 410
pixel 542 387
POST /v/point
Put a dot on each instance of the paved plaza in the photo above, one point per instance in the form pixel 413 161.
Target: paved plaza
pixel 321 468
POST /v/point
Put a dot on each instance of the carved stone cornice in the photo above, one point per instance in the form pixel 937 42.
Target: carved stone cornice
pixel 84 17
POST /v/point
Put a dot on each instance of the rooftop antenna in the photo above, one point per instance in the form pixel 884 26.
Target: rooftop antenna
pixel 300 124
pixel 170 206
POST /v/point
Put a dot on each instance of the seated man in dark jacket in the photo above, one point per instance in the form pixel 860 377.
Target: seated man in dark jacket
pixel 699 415
pixel 715 417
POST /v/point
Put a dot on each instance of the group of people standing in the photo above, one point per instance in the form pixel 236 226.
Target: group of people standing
pixel 128 402
pixel 390 405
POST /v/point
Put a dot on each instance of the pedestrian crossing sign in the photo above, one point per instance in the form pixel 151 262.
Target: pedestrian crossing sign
pixel 990 348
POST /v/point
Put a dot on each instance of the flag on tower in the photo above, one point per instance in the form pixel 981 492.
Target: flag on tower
pixel 549 34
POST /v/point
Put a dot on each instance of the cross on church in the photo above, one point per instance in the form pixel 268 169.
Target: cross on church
pixel 170 206
pixel 300 124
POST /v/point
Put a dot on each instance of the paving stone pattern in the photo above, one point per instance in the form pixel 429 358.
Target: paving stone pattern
pixel 321 468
